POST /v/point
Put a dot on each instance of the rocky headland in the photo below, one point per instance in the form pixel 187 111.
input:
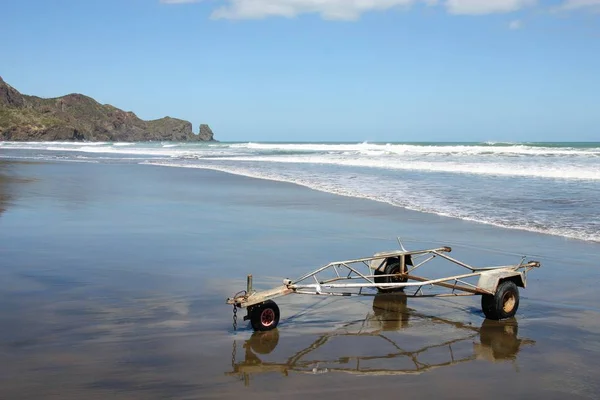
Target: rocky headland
pixel 76 117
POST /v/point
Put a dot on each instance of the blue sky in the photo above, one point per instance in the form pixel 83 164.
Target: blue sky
pixel 329 70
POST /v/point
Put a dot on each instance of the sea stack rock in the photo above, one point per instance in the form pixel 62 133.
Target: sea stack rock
pixel 205 134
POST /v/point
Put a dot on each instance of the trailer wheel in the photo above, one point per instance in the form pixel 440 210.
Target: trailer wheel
pixel 390 268
pixel 503 304
pixel 264 316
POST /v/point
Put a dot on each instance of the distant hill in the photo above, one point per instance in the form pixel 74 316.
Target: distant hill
pixel 81 118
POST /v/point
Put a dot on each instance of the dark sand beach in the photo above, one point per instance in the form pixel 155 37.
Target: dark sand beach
pixel 114 280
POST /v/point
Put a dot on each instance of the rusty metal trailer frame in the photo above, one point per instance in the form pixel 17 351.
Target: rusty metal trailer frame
pixel 344 278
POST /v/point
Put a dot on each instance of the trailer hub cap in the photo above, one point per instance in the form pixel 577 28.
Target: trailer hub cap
pixel 508 302
pixel 267 317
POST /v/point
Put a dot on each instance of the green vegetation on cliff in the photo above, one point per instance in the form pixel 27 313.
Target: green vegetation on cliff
pixel 79 117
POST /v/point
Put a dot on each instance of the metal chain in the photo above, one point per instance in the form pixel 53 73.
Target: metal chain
pixel 234 318
pixel 233 354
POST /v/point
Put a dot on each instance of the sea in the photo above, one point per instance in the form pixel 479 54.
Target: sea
pixel 551 188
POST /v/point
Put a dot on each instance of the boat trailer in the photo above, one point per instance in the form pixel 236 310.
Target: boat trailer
pixel 391 271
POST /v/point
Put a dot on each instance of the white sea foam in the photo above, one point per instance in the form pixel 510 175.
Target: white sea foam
pixel 105 149
pixel 29 144
pixel 167 150
pixel 421 149
pixel 326 148
pixel 579 172
pixel 574 164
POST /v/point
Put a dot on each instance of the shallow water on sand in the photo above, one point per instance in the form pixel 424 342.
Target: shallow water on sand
pixel 114 281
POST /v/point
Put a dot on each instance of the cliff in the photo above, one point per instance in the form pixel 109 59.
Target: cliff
pixel 79 117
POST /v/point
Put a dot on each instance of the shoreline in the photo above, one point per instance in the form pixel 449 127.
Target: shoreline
pixel 413 214
pixel 351 196
pixel 439 214
pixel 549 191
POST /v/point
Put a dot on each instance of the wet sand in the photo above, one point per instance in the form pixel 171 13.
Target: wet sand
pixel 114 279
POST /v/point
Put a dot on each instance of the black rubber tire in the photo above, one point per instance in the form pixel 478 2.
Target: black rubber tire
pixel 503 304
pixel 264 316
pixel 392 266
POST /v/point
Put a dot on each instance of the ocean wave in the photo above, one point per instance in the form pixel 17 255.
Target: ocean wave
pixel 454 180
pixel 145 149
pixel 44 158
pixel 421 149
pixel 29 144
pixel 108 149
pixel 365 149
pixel 562 171
pixel 391 157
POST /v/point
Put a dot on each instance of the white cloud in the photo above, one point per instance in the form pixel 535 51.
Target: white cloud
pixel 328 9
pixel 580 4
pixel 479 7
pixel 515 24
pixel 353 9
